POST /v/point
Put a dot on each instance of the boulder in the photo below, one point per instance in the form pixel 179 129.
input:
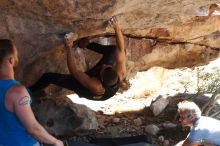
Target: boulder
pixel 61 117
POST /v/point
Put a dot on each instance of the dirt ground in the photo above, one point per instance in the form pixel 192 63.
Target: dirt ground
pixel 122 125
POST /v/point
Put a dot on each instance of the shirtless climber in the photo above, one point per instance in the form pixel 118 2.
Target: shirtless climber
pixel 99 83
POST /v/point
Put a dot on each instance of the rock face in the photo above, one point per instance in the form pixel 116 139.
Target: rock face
pixel 63 118
pixel 186 32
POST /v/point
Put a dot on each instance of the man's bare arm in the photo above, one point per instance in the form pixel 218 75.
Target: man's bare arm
pixel 19 99
pixel 120 51
pixel 91 83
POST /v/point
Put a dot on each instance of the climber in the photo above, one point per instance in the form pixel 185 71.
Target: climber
pixel 99 83
pixel 204 130
pixel 18 125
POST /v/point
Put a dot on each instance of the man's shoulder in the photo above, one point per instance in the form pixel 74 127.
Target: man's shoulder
pixel 205 119
pixel 14 94
pixel 201 125
pixel 17 89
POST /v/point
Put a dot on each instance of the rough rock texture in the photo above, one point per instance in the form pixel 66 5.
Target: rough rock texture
pixel 187 31
pixel 63 118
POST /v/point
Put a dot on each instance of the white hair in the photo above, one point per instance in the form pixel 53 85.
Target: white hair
pixel 190 108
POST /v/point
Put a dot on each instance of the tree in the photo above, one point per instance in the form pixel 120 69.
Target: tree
pixel 209 82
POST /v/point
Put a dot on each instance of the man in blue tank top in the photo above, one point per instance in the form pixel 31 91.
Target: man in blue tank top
pixel 18 126
pixel 204 130
pixel 99 83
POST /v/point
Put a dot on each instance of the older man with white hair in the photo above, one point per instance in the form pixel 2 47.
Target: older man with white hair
pixel 204 130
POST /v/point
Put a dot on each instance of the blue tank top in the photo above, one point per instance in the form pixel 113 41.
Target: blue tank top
pixel 12 132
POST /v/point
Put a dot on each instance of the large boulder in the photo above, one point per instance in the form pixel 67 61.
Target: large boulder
pixel 61 117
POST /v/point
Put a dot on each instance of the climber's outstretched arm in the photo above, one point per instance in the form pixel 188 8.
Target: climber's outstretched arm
pixel 120 51
pixel 92 83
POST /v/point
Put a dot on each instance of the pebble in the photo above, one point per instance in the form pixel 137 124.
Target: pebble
pixel 161 138
pixel 116 120
pixel 138 122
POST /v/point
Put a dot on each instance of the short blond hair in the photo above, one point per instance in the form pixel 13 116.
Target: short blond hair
pixel 190 108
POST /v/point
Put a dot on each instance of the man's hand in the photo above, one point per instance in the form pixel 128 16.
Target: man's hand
pixel 69 38
pixel 113 22
pixel 59 143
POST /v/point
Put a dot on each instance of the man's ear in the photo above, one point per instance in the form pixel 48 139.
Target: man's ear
pixel 11 60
